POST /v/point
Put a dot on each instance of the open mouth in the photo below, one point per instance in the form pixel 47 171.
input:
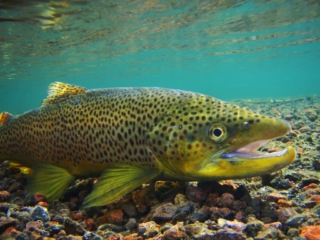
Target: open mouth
pixel 250 151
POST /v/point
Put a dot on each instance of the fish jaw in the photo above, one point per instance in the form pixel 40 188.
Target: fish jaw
pixel 243 165
pixel 238 161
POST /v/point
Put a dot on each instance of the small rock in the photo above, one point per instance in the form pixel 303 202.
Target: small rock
pixel 304 129
pixel 176 232
pixel 253 227
pixel 91 236
pixel 180 199
pixel 223 234
pixel 285 213
pixel 131 224
pixel 34 225
pixel 274 197
pixel 4 196
pixel 222 213
pixel 72 227
pixel 284 203
pixel 279 183
pixel 4 224
pixel 296 221
pixel 277 225
pixel 113 217
pixel 195 194
pixel 165 227
pixel 197 216
pixel 268 233
pixel 129 210
pixel 164 212
pixel 199 230
pixel 293 232
pixel 148 229
pixel 309 203
pixel 40 213
pixel 111 227
pixel 310 232
pixel 55 229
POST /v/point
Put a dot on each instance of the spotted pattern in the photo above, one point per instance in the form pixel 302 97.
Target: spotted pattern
pixel 96 128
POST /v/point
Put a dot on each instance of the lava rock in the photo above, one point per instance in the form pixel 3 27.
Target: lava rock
pixel 197 216
pixel 73 227
pixel 195 194
pixel 253 227
pixel 164 212
pixel 176 232
pixel 131 224
pixel 199 230
pixel 148 229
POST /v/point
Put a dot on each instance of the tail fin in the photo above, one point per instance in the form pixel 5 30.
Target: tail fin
pixel 4 118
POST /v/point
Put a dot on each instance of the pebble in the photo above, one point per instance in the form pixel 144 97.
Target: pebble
pixel 296 220
pixel 177 231
pixel 73 227
pixel 275 197
pixel 148 229
pixel 253 227
pixel 6 223
pixel 310 232
pixel 284 214
pixel 132 224
pixel 91 236
pixel 39 213
pixel 222 234
pixel 113 217
pixel 199 231
pixel 4 196
pixel 164 213
pixel 268 233
pixel 195 194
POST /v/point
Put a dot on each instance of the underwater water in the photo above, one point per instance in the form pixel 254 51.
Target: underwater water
pixel 226 49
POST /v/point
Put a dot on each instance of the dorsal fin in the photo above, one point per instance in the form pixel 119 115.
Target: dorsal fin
pixel 58 92
pixel 4 118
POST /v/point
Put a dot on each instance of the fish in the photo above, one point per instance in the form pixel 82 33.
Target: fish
pixel 125 137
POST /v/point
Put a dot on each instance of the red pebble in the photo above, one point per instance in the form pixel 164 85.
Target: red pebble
pixel 310 186
pixel 113 217
pixel 40 197
pixel 4 196
pixel 310 232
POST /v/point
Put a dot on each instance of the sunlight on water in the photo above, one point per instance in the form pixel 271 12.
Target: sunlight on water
pixel 227 49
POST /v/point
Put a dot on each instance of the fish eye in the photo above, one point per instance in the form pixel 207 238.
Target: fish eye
pixel 218 132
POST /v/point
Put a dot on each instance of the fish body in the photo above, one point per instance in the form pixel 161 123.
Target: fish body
pixel 126 136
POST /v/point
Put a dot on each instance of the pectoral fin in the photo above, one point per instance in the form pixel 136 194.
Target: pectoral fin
pixel 49 180
pixel 117 181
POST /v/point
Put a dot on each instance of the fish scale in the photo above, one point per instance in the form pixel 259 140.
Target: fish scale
pixel 126 136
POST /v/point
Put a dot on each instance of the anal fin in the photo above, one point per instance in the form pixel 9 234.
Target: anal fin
pixel 116 181
pixel 49 180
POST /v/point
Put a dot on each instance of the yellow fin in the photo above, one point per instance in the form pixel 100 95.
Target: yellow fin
pixel 49 180
pixel 58 92
pixel 117 181
pixel 4 118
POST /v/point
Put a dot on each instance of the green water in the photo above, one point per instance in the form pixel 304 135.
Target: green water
pixel 226 49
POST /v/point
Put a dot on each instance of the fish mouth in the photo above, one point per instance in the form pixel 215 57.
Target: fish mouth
pixel 250 152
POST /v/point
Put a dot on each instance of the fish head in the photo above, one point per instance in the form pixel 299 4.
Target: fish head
pixel 207 139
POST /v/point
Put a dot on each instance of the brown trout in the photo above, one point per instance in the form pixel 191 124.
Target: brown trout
pixel 128 136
